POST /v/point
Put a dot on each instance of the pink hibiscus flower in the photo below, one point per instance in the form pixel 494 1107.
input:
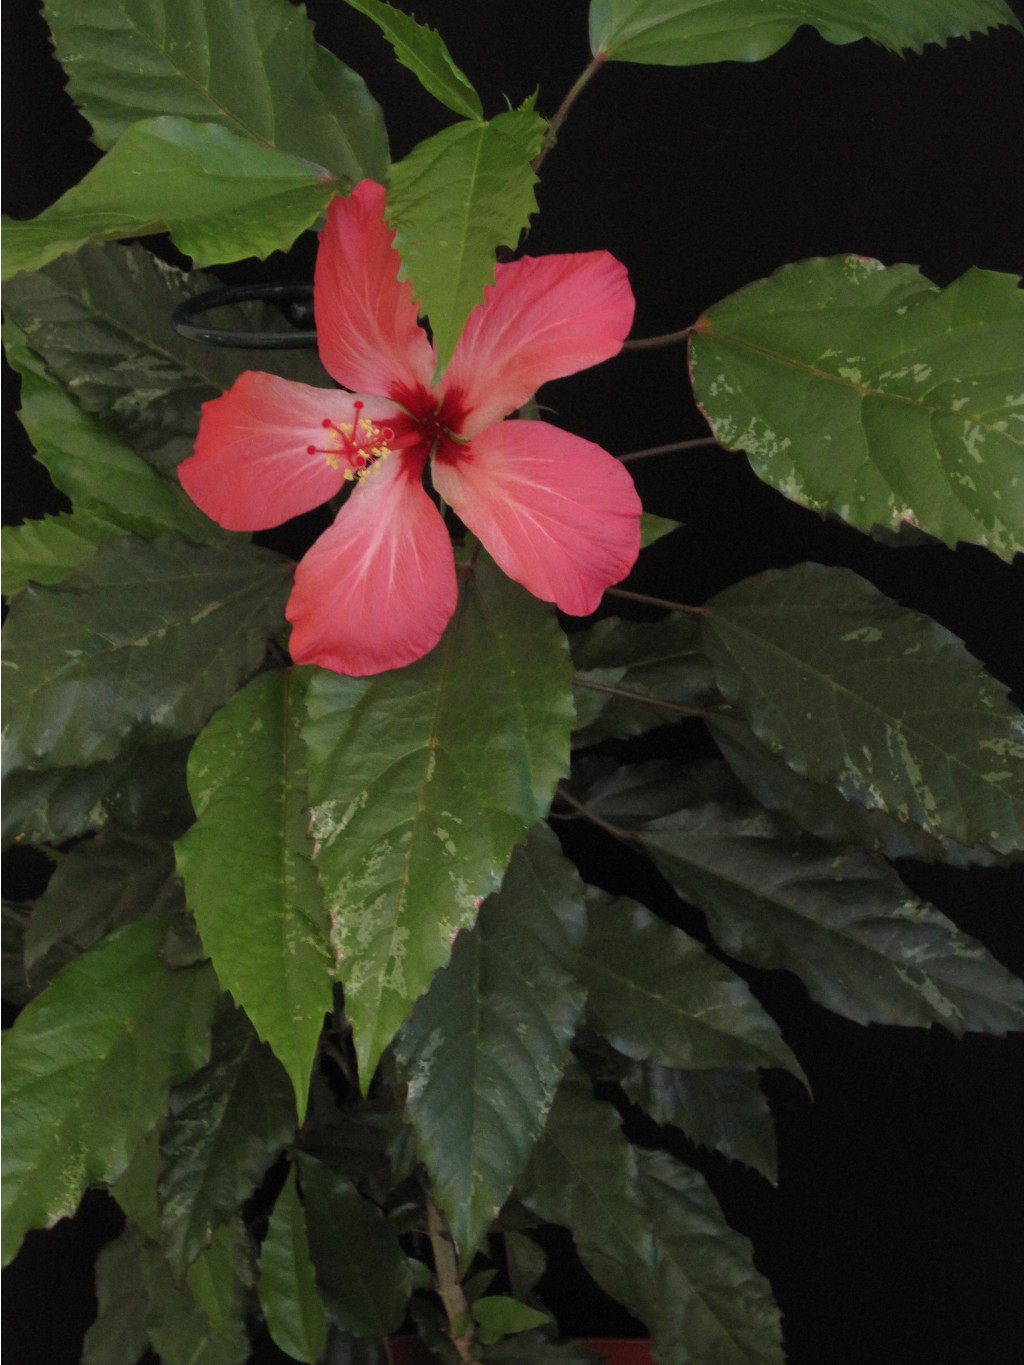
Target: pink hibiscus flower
pixel 557 513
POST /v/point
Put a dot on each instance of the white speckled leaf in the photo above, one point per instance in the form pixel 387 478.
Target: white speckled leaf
pixel 868 392
pixel 882 703
pixel 422 781
pixel 686 32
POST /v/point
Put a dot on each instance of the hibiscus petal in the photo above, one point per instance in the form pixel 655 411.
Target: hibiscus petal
pixel 253 468
pixel 557 513
pixel 367 333
pixel 543 317
pixel 376 590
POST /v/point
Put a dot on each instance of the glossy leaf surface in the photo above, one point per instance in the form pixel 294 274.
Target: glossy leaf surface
pixel 871 394
pixel 46 550
pixel 248 874
pixel 423 51
pixel 253 68
pixel 657 995
pixel 843 921
pixel 220 196
pixel 289 1297
pixel 140 643
pixel 688 32
pixel 855 691
pixel 87 1068
pixel 102 322
pixel 422 781
pixel 485 1047
pixel 202 1321
pixel 453 201
pixel 225 1127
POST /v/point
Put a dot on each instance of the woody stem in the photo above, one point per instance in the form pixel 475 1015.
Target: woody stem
pixel 562 112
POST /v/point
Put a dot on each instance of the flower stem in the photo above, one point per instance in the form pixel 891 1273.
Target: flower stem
pixel 562 112
pixel 656 343
pixel 446 1267
pixel 624 692
pixel 662 602
pixel 626 835
pixel 669 449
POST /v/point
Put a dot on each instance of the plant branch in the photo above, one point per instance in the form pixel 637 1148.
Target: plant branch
pixel 626 835
pixel 562 112
pixel 656 343
pixel 647 601
pixel 661 702
pixel 669 449
pixel 446 1267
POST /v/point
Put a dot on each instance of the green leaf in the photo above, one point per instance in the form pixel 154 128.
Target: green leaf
pixel 248 874
pixel 825 812
pixel 650 1233
pixel 138 645
pixel 145 787
pixel 423 52
pixel 252 68
pixel 46 551
pixel 288 1294
pixel 485 1047
pixel 688 32
pixel 869 393
pixel 882 703
pixel 221 197
pixel 723 1108
pixel 87 1067
pixel 633 676
pixel 203 1321
pixel 842 920
pixel 135 1189
pixel 99 886
pixel 360 1265
pixel 499 1316
pixel 657 995
pixel 119 1334
pixel 422 781
pixel 226 1126
pixel 653 529
pixel 102 475
pixel 101 321
pixel 453 201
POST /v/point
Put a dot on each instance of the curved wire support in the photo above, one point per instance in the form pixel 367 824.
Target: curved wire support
pixel 299 296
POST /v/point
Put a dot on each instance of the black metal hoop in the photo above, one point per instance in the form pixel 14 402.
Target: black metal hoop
pixel 257 341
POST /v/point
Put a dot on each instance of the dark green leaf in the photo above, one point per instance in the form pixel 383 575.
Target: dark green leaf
pixel 870 393
pixel 485 1047
pixel 16 986
pixel 424 53
pixel 422 781
pixel 248 874
pixel 220 196
pixel 119 1335
pixel 658 996
pixel 632 794
pixel 453 201
pixel 842 920
pixel 142 788
pixel 688 32
pixel 722 1108
pixel 135 1188
pixel 101 320
pixel 288 1294
pixel 855 691
pixel 252 68
pixel 138 645
pixel 360 1266
pixel 103 476
pixel 823 811
pixel 539 1349
pixel 87 1068
pixel 226 1125
pixel 654 528
pixel 631 677
pixel 202 1321
pixel 98 886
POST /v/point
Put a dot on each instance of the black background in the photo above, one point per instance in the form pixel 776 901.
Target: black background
pixel 895 1236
